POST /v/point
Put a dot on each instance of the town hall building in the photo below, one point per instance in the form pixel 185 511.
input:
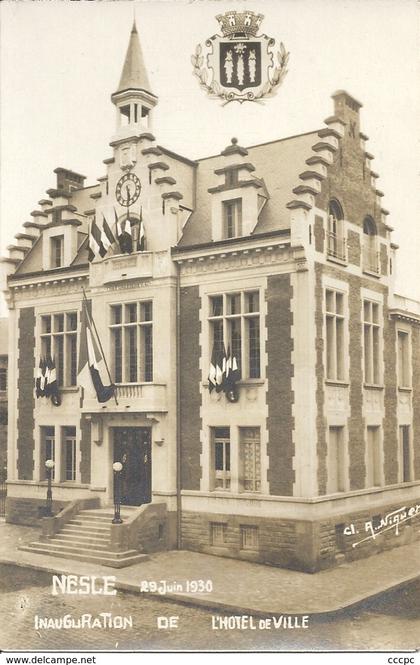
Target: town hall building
pixel 265 378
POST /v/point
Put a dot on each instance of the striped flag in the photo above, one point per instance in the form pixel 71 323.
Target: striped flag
pixel 141 239
pixel 91 361
pixel 100 238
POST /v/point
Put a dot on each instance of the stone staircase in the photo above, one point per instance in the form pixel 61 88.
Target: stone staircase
pixel 87 537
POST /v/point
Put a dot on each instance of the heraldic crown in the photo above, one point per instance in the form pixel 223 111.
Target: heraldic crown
pixel 240 24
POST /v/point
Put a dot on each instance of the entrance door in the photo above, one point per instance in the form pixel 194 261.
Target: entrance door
pixel 132 447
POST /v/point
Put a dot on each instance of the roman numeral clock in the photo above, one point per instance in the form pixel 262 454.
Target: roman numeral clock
pixel 128 190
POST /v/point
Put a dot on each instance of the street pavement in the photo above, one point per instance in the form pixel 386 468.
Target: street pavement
pixel 237 586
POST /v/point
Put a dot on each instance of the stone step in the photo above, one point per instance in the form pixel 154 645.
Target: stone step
pixel 79 541
pixel 131 556
pixel 68 548
pixel 86 524
pixel 75 532
pixel 77 546
pixel 100 519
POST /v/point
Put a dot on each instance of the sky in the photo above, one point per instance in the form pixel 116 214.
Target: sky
pixel 61 60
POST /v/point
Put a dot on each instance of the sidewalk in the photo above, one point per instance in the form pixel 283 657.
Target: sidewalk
pixel 239 587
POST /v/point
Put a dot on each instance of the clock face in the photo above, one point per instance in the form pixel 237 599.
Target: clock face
pixel 128 189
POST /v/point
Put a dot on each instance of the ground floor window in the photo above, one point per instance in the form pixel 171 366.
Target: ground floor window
pixel 69 450
pixel 405 471
pixel 337 468
pixel 250 458
pixel 59 444
pixel 373 456
pixel 47 450
pixel 221 458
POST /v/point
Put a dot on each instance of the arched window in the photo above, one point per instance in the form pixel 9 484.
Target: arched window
pixel 335 235
pixel 370 246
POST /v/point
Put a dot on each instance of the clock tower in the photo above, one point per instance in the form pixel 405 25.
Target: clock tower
pixel 133 99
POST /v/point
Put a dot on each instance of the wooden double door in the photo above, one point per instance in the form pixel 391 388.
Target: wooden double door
pixel 132 447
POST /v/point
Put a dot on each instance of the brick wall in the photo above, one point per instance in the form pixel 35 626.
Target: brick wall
pixel 26 395
pixel 280 423
pixel 85 449
pixel 319 233
pixel 190 397
pixel 383 257
pixel 349 178
pixel 390 423
pixel 353 246
pixel 356 423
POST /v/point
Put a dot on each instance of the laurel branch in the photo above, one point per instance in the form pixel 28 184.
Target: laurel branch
pixel 214 89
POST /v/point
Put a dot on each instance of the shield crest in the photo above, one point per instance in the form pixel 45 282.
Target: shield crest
pixel 240 63
pixel 240 66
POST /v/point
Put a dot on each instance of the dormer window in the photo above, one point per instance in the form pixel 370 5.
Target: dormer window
pixel 232 218
pixel 57 251
pixel 370 246
pixel 336 246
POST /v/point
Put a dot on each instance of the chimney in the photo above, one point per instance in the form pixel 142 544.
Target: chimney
pixel 347 108
pixel 68 180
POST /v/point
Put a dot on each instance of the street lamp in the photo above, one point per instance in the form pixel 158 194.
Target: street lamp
pixel 49 464
pixel 117 466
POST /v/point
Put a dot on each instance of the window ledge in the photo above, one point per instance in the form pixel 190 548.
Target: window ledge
pixel 373 386
pixel 336 259
pixel 332 382
pixel 242 383
pixel 405 389
pixel 68 389
pixel 371 273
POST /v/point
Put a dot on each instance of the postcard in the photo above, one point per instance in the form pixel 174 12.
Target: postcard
pixel 210 328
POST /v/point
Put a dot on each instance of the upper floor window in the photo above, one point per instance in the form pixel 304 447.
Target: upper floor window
pixel 336 246
pixel 232 218
pixel 404 365
pixel 57 251
pixel 235 323
pixel 59 341
pixel 370 246
pixel 132 342
pixel 371 341
pixel 335 322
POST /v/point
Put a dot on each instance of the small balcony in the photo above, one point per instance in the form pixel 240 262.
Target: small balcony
pixel 132 398
pixel 336 246
pixel 370 260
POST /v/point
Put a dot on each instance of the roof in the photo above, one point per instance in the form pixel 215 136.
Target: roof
pixel 134 74
pixel 279 163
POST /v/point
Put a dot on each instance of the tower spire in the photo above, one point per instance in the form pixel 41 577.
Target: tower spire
pixel 133 98
pixel 134 74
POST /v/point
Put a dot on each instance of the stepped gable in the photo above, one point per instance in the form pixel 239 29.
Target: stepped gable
pixel 327 151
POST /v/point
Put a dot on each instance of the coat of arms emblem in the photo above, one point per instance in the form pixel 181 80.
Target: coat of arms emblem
pixel 244 66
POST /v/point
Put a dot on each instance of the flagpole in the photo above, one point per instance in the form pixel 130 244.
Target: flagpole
pixel 100 344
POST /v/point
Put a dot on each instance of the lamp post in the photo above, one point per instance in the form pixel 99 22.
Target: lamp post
pixel 49 465
pixel 117 466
